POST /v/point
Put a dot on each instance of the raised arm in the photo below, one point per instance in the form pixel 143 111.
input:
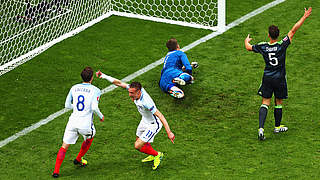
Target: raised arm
pixel 166 125
pixel 114 81
pixel 247 43
pixel 299 23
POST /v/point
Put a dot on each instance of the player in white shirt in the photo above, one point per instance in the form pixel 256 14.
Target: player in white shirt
pixel 151 122
pixel 83 99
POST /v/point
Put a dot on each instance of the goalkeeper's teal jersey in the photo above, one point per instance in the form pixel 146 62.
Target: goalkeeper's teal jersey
pixel 274 56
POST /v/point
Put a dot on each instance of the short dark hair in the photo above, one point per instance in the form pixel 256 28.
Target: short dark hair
pixel 274 32
pixel 87 74
pixel 172 44
pixel 135 85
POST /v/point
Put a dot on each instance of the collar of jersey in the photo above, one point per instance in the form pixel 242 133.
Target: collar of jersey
pixel 170 52
pixel 273 43
pixel 85 83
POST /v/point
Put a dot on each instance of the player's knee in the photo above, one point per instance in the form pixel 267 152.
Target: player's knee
pixel 65 146
pixel 266 101
pixel 137 145
pixel 279 101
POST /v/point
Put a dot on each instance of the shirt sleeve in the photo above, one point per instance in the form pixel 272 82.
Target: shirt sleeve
pixel 285 42
pixel 149 104
pixel 95 102
pixel 186 63
pixel 69 99
pixel 256 48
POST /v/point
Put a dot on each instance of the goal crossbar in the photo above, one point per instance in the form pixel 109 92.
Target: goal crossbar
pixel 168 21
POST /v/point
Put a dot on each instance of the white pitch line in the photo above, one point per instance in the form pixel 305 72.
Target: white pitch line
pixel 143 70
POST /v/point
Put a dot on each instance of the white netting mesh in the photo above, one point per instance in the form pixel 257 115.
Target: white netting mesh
pixel 201 12
pixel 27 26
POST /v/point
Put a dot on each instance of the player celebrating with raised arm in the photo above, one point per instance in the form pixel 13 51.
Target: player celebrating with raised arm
pixel 176 70
pixel 149 125
pixel 83 99
pixel 274 77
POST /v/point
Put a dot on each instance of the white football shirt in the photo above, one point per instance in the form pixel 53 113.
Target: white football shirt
pixel 146 107
pixel 83 99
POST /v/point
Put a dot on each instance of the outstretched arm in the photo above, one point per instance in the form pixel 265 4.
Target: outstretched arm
pixel 247 43
pixel 299 23
pixel 114 81
pixel 166 125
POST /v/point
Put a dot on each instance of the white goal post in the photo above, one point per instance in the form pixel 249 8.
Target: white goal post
pixel 28 27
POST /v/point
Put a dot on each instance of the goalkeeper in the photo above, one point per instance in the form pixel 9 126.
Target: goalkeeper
pixel 176 70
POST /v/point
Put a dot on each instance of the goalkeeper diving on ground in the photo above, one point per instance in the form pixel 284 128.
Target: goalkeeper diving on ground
pixel 176 71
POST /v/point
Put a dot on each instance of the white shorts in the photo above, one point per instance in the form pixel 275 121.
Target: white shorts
pixel 147 131
pixel 71 134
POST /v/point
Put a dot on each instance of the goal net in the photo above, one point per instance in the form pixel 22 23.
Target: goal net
pixel 28 27
pixel 194 13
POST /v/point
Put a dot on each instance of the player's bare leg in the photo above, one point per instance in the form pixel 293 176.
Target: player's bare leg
pixel 138 145
pixel 278 117
pixel 266 101
pixel 146 147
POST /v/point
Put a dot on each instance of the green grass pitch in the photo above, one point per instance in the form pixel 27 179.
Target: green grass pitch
pixel 215 124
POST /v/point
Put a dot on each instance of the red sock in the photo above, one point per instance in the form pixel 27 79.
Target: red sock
pixel 148 149
pixel 59 160
pixel 84 148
